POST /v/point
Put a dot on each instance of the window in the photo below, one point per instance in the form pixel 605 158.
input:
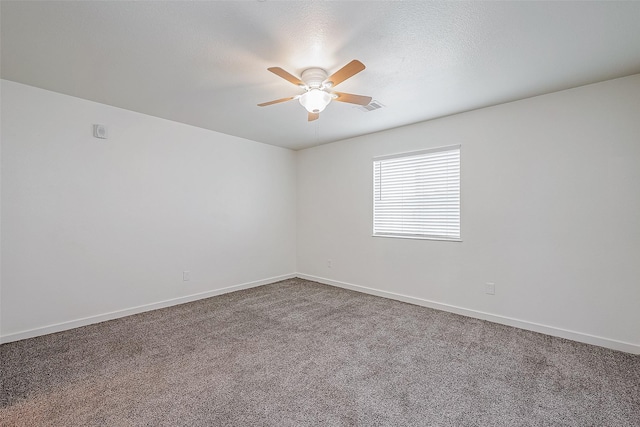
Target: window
pixel 417 195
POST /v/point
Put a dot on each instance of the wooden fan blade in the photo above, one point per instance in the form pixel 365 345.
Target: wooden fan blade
pixel 287 76
pixel 351 69
pixel 314 116
pixel 353 99
pixel 264 104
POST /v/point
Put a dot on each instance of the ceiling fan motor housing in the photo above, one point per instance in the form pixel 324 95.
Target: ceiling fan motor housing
pixel 313 77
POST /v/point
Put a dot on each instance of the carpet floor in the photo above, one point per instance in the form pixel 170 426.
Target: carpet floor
pixel 299 353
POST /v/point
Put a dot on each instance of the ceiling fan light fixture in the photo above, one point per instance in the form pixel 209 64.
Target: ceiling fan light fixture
pixel 315 100
pixel 318 88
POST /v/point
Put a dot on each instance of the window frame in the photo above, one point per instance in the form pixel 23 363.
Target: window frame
pixel 412 154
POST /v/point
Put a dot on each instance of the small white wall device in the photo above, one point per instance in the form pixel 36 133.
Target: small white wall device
pixel 100 131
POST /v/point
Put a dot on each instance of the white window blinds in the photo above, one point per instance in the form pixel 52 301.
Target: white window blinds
pixel 418 194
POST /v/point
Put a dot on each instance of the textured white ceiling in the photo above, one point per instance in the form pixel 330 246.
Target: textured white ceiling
pixel 205 63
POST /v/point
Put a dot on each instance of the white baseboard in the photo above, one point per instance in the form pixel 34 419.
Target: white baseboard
pixel 63 326
pixel 509 321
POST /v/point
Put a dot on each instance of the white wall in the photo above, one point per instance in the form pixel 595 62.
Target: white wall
pixel 550 213
pixel 96 229
pixel 91 227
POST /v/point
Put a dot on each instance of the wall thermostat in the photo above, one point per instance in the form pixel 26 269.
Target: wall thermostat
pixel 100 131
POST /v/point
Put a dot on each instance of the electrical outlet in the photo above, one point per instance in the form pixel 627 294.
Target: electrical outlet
pixel 329 263
pixel 186 276
pixel 490 288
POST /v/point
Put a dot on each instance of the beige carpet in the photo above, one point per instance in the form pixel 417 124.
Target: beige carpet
pixel 298 353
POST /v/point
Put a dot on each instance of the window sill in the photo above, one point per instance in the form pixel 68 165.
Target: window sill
pixel 398 236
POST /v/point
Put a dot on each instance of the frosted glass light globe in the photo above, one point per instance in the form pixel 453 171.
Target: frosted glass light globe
pixel 315 100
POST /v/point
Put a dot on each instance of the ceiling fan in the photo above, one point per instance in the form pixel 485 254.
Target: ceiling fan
pixel 317 88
